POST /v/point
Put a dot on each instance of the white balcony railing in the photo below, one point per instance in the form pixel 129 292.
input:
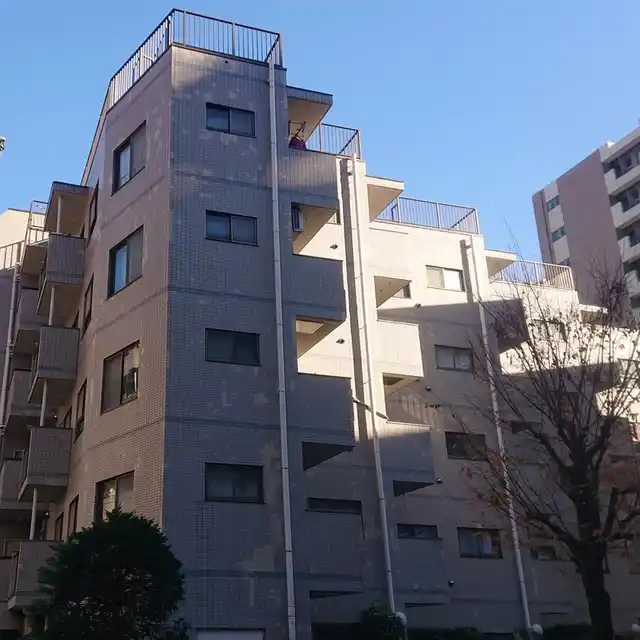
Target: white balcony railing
pixel 436 215
pixel 539 274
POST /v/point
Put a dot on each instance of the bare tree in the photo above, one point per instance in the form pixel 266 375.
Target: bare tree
pixel 565 383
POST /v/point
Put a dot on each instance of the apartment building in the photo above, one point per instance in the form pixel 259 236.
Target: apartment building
pixel 230 327
pixel 589 217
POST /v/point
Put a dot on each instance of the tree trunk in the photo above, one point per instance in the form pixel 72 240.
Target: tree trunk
pixel 592 574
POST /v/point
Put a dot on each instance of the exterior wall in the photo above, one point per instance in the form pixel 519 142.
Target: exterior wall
pixel 13 225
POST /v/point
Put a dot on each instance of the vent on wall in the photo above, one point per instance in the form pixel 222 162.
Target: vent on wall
pixel 297 219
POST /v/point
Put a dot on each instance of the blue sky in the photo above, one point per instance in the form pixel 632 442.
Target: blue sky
pixel 476 102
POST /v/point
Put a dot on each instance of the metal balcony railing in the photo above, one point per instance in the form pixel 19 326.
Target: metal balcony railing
pixel 330 138
pixel 539 274
pixel 436 215
pixel 10 255
pixel 195 31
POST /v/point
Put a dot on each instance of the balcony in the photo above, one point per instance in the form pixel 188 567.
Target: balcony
pixel 624 181
pixel 431 215
pixel 307 221
pixel 23 584
pixel 56 362
pixel 19 410
pixel 64 269
pixel 8 621
pixel 386 250
pixel 36 240
pixel 381 192
pixel 315 287
pixel 535 274
pixel 623 218
pixel 629 252
pixel 69 203
pixel 633 283
pixel 398 350
pixel 28 322
pixel 321 410
pixel 10 480
pixel 45 466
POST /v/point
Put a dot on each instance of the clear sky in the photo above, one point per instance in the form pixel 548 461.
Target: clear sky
pixel 476 102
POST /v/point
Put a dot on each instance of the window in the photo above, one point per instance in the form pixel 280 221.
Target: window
pixel 227 227
pixel 405 292
pixel 58 529
pixel 117 492
pixel 86 306
pixel 129 157
pixel 333 505
pixel 230 120
pixel 125 262
pixel 235 347
pixel 479 543
pixel 441 278
pixel 120 377
pixel 557 234
pixel 80 409
pixel 553 203
pixel 67 422
pixel 233 483
pixel 93 209
pixel 544 552
pixel 466 446
pixel 72 518
pixel 454 358
pixel 418 531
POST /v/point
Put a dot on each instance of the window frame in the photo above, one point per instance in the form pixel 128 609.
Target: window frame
pixel 72 517
pixel 495 536
pixel 535 553
pixel 67 421
pixel 550 205
pixel 86 314
pixel 58 528
pixel 125 243
pixel 458 272
pixel 232 334
pixel 120 354
pixel 409 528
pixel 80 417
pixel 116 180
pixel 258 470
pixel 230 110
pixel 93 210
pixel 477 453
pixel 455 350
pixel 558 234
pixel 230 217
pixel 332 505
pixel 99 493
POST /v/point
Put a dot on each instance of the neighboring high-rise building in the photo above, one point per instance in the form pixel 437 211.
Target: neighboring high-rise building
pixel 589 217
pixel 229 327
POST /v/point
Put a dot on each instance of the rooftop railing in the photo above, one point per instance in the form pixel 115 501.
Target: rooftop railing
pixel 195 31
pixel 331 138
pixel 539 274
pixel 436 215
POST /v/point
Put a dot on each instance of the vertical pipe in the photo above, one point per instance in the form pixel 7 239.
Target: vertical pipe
pixel 8 352
pixel 282 387
pixel 501 448
pixel 34 504
pixel 382 503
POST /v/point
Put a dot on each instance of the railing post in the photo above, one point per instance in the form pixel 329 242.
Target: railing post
pixel 320 135
pixel 398 210
pixel 184 27
pixel 280 62
pixel 438 215
pixel 233 38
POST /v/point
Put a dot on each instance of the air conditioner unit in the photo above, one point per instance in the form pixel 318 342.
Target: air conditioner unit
pixel 297 219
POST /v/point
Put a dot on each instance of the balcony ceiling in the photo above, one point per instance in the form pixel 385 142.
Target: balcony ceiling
pixel 75 200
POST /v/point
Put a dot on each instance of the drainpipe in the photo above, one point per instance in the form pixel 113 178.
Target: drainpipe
pixel 282 387
pixel 9 350
pixel 382 503
pixel 501 448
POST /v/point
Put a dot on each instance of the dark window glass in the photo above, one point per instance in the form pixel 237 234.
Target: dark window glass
pixel 116 492
pixel 86 306
pixel 234 347
pixel 72 518
pixel 454 358
pixel 125 262
pixel 233 483
pixel 93 209
pixel 479 543
pixel 120 377
pixel 58 530
pixel 230 120
pixel 467 446
pixel 418 531
pixel 227 227
pixel 334 505
pixel 80 408
pixel 129 158
pixel 67 421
